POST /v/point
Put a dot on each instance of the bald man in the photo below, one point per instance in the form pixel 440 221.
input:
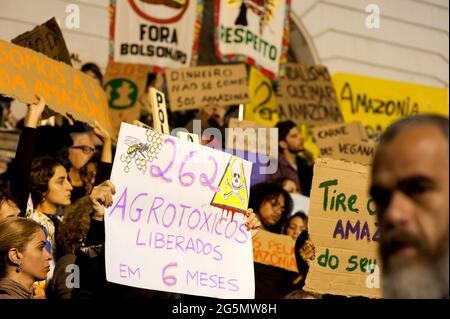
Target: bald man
pixel 410 187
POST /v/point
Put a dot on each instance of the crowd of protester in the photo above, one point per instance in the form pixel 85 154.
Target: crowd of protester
pixel 54 194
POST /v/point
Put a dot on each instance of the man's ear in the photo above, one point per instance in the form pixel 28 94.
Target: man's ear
pixel 283 144
pixel 15 256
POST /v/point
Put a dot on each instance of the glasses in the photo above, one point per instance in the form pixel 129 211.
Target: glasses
pixel 86 149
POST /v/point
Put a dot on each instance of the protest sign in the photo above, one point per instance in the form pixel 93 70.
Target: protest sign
pixel 159 111
pixel 251 137
pixel 307 96
pixel 263 107
pixel 301 203
pixel 47 39
pixel 125 88
pixel 177 221
pixel 161 33
pixel 326 136
pixel 353 151
pixel 274 250
pixel 253 31
pixel 343 227
pixel 190 137
pixel 71 93
pixel 377 103
pixel 192 88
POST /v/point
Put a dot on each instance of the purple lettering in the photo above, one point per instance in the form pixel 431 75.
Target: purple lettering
pixel 182 213
pixel 190 245
pixel 203 277
pixel 123 269
pixel 231 283
pixel 189 219
pixel 218 256
pixel 179 240
pixel 220 221
pixel 139 210
pixel 222 282
pixel 339 230
pixel 235 228
pixel 174 210
pixel 206 222
pixel 169 242
pixel 153 209
pixel 159 238
pixel 243 231
pixel 137 239
pixel 121 205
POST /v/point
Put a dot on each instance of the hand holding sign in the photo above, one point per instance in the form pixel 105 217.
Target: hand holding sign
pixel 34 112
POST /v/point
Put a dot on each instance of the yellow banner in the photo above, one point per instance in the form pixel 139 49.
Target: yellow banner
pixel 263 106
pixel 377 103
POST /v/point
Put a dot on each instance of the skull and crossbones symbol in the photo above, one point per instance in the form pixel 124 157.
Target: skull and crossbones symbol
pixel 237 183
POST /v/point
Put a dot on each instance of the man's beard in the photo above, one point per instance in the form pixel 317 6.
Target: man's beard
pixel 295 150
pixel 421 277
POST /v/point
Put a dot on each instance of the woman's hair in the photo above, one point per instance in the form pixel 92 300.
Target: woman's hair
pixel 6 195
pixel 300 214
pixel 15 233
pixel 94 68
pixel 73 230
pixel 263 192
pixel 42 170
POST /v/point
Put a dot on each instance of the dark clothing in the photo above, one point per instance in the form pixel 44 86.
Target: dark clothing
pixel 302 176
pixel 273 282
pixel 103 174
pixel 10 289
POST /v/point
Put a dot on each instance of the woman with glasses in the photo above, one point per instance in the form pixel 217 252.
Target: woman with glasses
pixel 272 205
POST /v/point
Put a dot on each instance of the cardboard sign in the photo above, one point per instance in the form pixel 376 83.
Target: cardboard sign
pixel 327 136
pixel 306 96
pixel 251 137
pixel 160 119
pixel 263 106
pixel 47 39
pixel 192 88
pixel 71 93
pixel 343 227
pixel 377 103
pixel 353 151
pixel 165 230
pixel 274 250
pixel 162 33
pixel 124 85
pixel 253 31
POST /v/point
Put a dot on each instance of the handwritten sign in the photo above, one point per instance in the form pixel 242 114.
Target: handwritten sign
pixel 274 250
pixel 165 231
pixel 251 137
pixel 47 39
pixel 71 93
pixel 343 227
pixel 192 88
pixel 353 151
pixel 154 32
pixel 327 136
pixel 125 88
pixel 307 96
pixel 159 110
pixel 377 103
pixel 256 32
pixel 263 106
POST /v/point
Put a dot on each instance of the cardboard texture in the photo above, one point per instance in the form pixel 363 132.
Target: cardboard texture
pixel 71 93
pixel 193 88
pixel 248 139
pixel 344 142
pixel 349 235
pixel 274 250
pixel 46 38
pixel 307 96
pixel 125 87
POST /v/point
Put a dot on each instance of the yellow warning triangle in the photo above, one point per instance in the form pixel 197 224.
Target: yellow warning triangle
pixel 233 193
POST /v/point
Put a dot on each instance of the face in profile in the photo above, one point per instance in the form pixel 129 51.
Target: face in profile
pixel 81 151
pixel 59 188
pixel 295 227
pixel 294 141
pixel 35 258
pixel 410 188
pixel 271 211
pixel 8 209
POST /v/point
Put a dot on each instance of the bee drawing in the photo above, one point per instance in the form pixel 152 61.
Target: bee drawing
pixel 135 145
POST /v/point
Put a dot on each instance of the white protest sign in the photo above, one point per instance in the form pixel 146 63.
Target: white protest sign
pixel 170 227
